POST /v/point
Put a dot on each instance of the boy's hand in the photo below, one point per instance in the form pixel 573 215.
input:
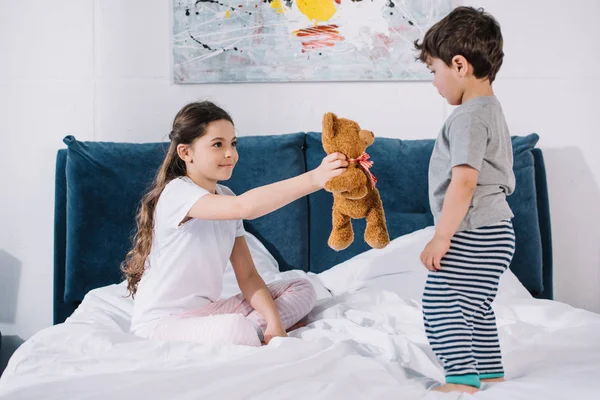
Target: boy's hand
pixel 434 251
pixel 333 165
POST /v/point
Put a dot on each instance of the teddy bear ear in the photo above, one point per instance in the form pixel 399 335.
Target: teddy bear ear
pixel 329 124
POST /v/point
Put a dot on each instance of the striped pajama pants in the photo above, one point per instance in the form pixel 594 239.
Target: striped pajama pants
pixel 457 303
pixel 234 321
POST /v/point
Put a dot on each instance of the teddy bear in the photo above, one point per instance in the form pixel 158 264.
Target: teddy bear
pixel 354 192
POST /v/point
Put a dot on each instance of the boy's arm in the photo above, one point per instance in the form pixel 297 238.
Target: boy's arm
pixel 457 200
pixel 468 137
pixel 456 204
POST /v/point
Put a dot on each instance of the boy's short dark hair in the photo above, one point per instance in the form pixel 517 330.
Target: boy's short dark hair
pixel 469 32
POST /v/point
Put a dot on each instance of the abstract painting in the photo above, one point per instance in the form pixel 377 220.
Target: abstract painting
pixel 300 40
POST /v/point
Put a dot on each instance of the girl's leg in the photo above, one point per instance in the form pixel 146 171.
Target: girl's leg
pixel 294 299
pixel 210 330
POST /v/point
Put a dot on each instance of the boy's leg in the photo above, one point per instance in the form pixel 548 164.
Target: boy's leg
pixel 461 290
pixel 448 328
pixel 492 247
pixel 486 346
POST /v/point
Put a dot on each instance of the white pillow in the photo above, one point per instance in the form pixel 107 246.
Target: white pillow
pixel 268 268
pixel 397 268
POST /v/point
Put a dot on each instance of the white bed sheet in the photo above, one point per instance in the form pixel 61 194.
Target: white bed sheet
pixel 366 343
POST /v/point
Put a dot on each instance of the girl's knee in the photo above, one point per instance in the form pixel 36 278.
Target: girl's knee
pixel 308 291
pixel 237 329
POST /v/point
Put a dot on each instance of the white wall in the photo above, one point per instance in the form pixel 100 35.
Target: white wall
pixel 101 70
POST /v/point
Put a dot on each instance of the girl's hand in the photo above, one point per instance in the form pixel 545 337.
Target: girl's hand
pixel 333 165
pixel 273 331
pixel 434 251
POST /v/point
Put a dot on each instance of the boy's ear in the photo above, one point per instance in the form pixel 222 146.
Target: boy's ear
pixel 329 120
pixel 461 64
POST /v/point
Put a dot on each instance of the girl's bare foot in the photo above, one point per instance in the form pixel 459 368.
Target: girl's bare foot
pixel 454 387
pixel 298 325
pixel 491 380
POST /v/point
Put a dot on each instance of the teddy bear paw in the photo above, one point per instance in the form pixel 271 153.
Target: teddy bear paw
pixel 376 237
pixel 340 239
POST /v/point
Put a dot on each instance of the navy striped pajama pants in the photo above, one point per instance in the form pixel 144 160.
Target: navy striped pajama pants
pixel 457 303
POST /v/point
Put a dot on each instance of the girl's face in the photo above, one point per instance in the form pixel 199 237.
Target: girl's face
pixel 213 155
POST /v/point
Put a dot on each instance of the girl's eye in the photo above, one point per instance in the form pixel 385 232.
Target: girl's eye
pixel 432 72
pixel 218 144
pixel 234 144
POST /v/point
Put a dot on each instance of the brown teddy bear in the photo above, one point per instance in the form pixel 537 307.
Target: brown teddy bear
pixel 354 193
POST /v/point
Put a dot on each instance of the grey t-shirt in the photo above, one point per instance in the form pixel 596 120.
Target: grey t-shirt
pixel 476 134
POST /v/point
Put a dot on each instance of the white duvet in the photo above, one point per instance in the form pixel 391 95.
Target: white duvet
pixel 365 340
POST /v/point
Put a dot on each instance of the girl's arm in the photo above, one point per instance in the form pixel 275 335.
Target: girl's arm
pixel 265 199
pixel 254 289
pixel 456 204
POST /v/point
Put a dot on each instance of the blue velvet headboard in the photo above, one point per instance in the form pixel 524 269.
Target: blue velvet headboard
pixel 99 185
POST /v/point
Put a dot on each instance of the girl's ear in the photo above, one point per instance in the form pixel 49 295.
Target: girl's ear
pixel 329 120
pixel 183 151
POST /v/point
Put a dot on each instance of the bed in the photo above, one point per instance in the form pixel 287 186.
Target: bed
pixel 365 337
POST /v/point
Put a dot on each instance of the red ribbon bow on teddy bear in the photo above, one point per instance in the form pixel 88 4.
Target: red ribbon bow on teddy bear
pixel 364 162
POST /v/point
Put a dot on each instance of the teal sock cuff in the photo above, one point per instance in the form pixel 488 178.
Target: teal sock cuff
pixel 491 376
pixel 470 380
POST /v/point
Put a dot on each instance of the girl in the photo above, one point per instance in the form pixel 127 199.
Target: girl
pixel 188 227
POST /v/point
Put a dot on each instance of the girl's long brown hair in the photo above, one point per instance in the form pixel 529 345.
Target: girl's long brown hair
pixel 189 124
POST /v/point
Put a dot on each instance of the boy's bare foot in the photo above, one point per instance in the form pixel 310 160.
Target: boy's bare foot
pixel 453 387
pixel 491 380
pixel 298 325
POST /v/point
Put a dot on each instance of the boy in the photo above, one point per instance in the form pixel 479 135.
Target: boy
pixel 470 175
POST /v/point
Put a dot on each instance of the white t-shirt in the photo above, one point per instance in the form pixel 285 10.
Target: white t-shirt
pixel 184 270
